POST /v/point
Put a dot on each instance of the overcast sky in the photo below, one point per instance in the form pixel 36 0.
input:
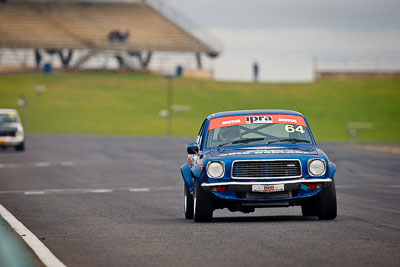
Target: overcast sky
pixel 283 35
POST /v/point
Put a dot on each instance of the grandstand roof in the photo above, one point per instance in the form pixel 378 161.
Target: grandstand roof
pixel 82 25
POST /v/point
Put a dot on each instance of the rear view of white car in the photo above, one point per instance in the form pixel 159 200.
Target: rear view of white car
pixel 11 130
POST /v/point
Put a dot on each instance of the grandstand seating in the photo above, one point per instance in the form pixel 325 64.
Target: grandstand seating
pixel 74 25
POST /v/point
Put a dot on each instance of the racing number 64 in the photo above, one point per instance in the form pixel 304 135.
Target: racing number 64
pixel 290 129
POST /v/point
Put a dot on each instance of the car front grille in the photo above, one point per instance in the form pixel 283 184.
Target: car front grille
pixel 266 169
pixel 8 132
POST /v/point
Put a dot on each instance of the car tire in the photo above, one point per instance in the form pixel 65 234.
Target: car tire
pixel 327 206
pixel 20 147
pixel 188 202
pixel 309 208
pixel 203 205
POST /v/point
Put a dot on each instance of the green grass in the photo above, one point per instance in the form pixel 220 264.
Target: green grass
pixel 129 104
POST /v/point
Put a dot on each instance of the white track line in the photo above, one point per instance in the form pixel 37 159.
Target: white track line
pixel 44 254
pixel 10 165
pixel 42 164
pixel 102 191
pixel 139 189
pixel 67 163
pixel 87 190
pixel 344 186
pixel 34 193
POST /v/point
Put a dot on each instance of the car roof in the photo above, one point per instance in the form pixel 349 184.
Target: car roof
pixel 7 110
pixel 254 112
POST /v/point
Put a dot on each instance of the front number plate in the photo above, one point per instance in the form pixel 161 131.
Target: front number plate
pixel 267 188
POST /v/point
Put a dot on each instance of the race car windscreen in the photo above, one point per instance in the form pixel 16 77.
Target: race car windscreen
pixel 7 118
pixel 258 129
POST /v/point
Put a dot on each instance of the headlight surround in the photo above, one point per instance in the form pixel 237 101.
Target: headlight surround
pixel 215 169
pixel 20 133
pixel 316 167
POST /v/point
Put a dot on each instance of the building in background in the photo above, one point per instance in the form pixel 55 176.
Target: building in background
pixel 86 34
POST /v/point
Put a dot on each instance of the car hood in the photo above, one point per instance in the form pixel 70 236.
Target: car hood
pixel 11 126
pixel 263 152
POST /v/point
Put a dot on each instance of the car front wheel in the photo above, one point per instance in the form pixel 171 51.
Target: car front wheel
pixel 309 208
pixel 20 147
pixel 203 205
pixel 189 203
pixel 327 206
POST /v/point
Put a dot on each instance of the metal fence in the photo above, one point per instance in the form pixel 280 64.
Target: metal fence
pixel 353 64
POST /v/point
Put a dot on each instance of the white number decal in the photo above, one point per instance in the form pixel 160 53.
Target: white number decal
pixel 290 129
pixel 300 129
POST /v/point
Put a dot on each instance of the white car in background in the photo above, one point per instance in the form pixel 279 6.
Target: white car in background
pixel 11 130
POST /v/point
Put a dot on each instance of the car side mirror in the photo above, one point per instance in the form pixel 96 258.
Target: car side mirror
pixel 192 148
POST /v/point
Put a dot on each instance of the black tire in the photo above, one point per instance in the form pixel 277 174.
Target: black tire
pixel 327 206
pixel 203 205
pixel 309 208
pixel 188 202
pixel 20 147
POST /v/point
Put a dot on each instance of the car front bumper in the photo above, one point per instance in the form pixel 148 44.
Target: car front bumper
pixel 292 190
pixel 246 185
pixel 11 140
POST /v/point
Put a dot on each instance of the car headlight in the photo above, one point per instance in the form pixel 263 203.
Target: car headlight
pixel 316 167
pixel 215 169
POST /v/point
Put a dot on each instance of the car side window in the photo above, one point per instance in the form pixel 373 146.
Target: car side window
pixel 200 134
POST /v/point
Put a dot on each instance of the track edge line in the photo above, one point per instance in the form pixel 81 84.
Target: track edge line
pixel 43 253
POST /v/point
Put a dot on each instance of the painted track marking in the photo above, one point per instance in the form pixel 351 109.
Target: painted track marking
pixel 43 253
pixel 87 190
pixel 9 165
pixel 34 193
pixel 344 186
pixel 124 189
pixel 67 163
pixel 102 191
pixel 43 164
pixel 139 189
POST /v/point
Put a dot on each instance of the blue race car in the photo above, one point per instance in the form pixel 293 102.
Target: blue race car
pixel 249 159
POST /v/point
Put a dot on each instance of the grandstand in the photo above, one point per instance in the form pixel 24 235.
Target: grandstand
pixel 355 67
pixel 77 31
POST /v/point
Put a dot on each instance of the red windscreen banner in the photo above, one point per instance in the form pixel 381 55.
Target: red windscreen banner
pixel 256 119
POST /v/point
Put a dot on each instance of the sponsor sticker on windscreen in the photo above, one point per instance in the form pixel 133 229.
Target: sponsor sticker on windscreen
pixel 267 188
pixel 256 119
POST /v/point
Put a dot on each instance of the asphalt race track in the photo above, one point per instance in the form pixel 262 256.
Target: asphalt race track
pixel 118 201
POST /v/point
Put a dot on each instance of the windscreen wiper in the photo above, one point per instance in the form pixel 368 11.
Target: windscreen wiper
pixel 295 140
pixel 243 140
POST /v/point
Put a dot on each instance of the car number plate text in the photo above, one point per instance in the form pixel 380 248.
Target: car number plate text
pixel 267 188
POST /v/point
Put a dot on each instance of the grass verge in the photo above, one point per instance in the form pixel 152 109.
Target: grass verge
pixel 129 103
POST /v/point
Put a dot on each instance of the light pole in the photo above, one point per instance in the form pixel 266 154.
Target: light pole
pixel 169 104
pixel 23 103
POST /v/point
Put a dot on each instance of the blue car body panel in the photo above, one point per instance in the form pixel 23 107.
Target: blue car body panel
pixel 195 167
pixel 187 176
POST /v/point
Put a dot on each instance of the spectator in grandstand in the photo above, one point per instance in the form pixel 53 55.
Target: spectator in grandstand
pixel 118 37
pixel 38 58
pixel 255 71
pixel 65 60
pixel 124 36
